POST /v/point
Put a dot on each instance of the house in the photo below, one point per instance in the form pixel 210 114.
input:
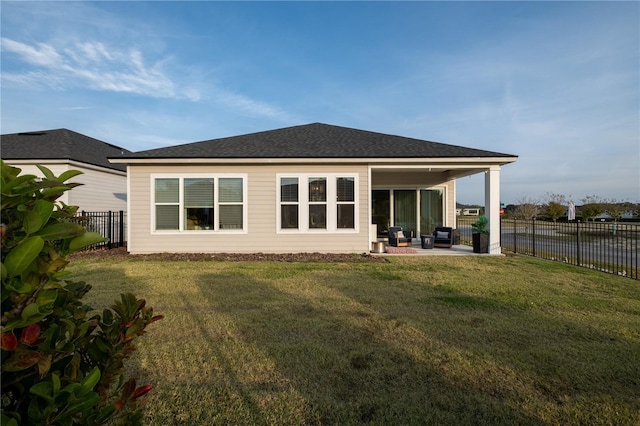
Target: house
pixel 104 184
pixel 309 188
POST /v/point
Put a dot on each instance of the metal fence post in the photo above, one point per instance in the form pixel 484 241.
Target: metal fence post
pixel 577 243
pixel 635 242
pixel 533 237
pixel 121 229
pixel 109 229
pixel 515 226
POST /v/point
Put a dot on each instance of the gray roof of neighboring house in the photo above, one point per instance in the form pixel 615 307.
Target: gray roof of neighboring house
pixel 315 140
pixel 60 144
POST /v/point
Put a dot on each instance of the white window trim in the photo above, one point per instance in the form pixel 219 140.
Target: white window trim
pixel 216 210
pixel 332 204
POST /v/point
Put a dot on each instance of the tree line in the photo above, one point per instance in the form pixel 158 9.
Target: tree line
pixel 555 207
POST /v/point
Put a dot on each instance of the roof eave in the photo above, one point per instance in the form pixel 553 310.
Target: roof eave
pixel 501 160
pixel 65 161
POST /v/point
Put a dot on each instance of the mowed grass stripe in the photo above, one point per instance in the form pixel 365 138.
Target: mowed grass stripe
pixel 504 340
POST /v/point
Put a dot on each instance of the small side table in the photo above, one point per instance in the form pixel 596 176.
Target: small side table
pixel 427 241
pixel 377 247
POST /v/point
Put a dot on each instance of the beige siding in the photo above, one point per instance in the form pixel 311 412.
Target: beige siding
pixel 402 179
pixel 261 230
pixel 56 169
pixel 100 191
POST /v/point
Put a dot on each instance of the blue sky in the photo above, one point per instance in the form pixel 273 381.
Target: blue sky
pixel 556 83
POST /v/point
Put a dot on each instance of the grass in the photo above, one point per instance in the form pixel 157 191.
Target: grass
pixel 418 340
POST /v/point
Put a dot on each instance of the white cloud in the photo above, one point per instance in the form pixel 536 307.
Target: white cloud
pixel 100 67
pixel 94 51
pixel 75 108
pixel 252 106
pixel 41 55
pixel 94 65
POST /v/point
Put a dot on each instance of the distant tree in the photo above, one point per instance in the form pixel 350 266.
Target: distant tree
pixel 554 197
pixel 510 210
pixel 556 205
pixel 527 208
pixel 616 209
pixel 591 207
pixel 555 210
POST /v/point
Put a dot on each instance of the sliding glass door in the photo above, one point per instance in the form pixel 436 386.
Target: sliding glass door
pixel 417 210
pixel 405 210
pixel 431 211
pixel 380 210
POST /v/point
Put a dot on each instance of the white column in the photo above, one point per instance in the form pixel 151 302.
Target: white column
pixel 373 230
pixel 452 205
pixel 492 207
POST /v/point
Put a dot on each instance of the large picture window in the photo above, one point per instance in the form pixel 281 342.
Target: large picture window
pixel 199 203
pixel 317 203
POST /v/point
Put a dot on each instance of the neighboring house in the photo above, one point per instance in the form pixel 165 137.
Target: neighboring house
pixel 104 185
pixel 310 188
pixel 606 217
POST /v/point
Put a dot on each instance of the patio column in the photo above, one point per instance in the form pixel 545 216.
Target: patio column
pixel 492 207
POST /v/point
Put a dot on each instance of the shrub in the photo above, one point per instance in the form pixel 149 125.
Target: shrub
pixel 480 226
pixel 62 363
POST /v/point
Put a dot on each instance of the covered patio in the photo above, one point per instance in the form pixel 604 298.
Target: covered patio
pixel 420 194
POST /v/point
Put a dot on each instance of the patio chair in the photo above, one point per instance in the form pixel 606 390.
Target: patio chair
pixel 443 237
pixel 398 237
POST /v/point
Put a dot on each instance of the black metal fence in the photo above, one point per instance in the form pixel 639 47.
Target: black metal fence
pixel 111 225
pixel 606 246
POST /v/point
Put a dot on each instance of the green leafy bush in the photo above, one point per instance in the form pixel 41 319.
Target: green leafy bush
pixel 62 364
pixel 480 226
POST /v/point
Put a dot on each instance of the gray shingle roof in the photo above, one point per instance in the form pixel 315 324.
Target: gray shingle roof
pixel 60 144
pixel 315 140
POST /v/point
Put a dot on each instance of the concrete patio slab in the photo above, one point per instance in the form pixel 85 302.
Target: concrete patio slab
pixel 417 250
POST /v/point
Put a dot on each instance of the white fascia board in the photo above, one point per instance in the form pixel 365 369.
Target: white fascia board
pixel 449 162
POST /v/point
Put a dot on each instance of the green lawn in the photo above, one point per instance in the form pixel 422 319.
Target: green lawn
pixel 418 340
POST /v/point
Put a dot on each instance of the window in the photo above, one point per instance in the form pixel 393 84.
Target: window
pixel 317 203
pixel 167 194
pixel 346 202
pixel 199 203
pixel 289 203
pixel 311 203
pixel 230 203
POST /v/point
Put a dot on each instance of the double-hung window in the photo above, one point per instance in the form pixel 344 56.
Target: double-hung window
pixel 317 203
pixel 231 203
pixel 289 203
pixel 199 203
pixel 346 202
pixel 167 203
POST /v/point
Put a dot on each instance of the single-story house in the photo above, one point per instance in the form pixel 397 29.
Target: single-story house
pixel 104 184
pixel 309 188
